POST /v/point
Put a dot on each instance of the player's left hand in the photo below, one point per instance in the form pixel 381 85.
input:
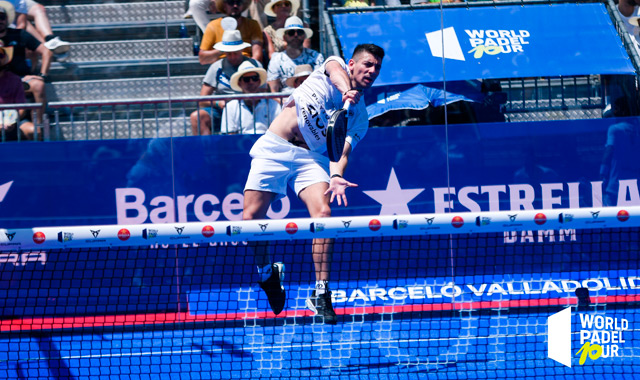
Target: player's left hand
pixel 338 187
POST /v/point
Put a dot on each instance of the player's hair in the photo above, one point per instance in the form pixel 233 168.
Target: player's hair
pixel 372 49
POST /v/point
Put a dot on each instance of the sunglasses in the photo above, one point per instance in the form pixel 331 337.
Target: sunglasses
pixel 234 2
pixel 296 32
pixel 3 16
pixel 252 78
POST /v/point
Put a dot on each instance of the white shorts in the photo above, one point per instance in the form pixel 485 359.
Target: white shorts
pixel 276 163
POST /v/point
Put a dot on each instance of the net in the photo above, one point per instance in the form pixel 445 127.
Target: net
pixel 468 295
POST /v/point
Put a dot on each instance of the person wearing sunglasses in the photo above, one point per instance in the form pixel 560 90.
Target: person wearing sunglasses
pixel 249 29
pixel 282 65
pixel 281 10
pixel 207 118
pixel 249 116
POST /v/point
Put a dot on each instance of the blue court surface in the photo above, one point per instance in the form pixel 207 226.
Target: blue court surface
pixel 402 315
pixel 456 345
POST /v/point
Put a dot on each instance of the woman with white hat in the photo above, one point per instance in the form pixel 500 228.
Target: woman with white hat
pixel 281 10
pixel 249 116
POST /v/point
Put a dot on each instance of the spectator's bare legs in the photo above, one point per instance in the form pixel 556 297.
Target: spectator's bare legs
pixel 205 123
pixel 37 89
pixel 318 205
pixel 39 15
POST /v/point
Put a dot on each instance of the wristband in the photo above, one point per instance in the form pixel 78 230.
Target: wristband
pixel 336 175
pixel 345 93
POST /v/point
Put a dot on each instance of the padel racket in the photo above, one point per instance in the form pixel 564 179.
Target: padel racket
pixel 337 133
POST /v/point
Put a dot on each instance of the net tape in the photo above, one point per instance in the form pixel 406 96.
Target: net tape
pixel 310 228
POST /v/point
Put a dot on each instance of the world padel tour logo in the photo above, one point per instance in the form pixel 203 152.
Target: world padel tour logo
pixel 445 44
pixel 600 337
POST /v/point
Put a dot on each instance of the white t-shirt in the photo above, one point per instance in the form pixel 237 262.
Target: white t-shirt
pixel 316 100
pixel 238 118
pixel 282 67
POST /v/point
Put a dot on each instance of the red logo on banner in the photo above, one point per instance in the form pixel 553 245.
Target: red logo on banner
pixel 207 231
pixel 540 218
pixel 457 221
pixel 39 237
pixel 124 234
pixel 374 225
pixel 623 215
pixel 291 228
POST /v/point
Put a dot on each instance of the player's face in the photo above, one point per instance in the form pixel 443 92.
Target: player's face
pixel 364 68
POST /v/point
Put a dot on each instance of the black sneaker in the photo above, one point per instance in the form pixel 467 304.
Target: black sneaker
pixel 274 289
pixel 321 305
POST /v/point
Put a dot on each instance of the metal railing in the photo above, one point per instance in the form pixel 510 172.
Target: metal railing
pixel 12 111
pixel 130 118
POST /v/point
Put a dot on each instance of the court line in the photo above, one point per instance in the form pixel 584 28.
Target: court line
pixel 80 322
pixel 279 347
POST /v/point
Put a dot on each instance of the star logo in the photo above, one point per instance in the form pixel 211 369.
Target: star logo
pixel 394 199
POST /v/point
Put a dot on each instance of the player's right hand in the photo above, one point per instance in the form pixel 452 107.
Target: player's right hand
pixel 337 188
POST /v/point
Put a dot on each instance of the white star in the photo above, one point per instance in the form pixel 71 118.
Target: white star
pixel 394 199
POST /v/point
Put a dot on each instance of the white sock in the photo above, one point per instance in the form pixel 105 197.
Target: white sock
pixel 322 287
pixel 265 272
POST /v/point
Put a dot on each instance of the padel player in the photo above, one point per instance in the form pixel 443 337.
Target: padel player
pixel 292 153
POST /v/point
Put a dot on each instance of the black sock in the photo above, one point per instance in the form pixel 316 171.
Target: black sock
pixel 49 37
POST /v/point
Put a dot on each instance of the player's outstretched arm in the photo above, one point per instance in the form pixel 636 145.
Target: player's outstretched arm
pixel 338 185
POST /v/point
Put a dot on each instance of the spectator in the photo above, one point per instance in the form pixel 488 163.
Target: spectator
pixel 42 31
pixel 249 29
pixel 620 160
pixel 201 10
pixel 300 75
pixel 281 10
pixel 21 40
pixel 11 92
pixel 249 116
pixel 218 81
pixel 358 3
pixel 283 64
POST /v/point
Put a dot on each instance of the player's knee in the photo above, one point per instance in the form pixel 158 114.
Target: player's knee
pixel 323 212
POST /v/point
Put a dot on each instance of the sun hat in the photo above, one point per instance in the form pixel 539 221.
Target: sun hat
pixel 231 41
pixel 268 9
pixel 293 23
pixel 7 8
pixel 245 68
pixel 301 71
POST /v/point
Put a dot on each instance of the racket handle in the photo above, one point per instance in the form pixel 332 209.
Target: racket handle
pixel 346 106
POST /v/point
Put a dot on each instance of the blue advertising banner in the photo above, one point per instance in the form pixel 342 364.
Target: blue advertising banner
pixel 489 167
pixel 488 42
